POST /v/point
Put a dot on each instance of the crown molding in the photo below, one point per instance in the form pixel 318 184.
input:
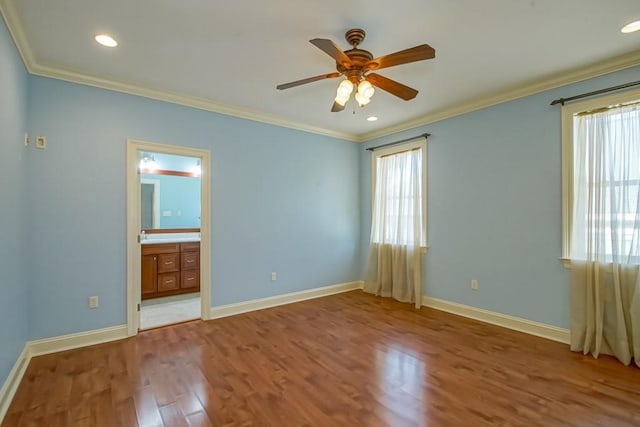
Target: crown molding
pixel 10 16
pixel 16 30
pixel 14 25
pixel 562 79
pixel 187 101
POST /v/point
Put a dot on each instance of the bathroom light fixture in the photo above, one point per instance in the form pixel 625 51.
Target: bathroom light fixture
pixel 147 163
pixel 106 40
pixel 372 118
pixel 197 169
pixel 631 27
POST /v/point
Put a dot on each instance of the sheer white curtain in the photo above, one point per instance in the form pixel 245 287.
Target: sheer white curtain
pixel 398 227
pixel 605 236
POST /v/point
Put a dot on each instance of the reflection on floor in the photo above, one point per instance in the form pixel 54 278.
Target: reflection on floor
pixel 165 311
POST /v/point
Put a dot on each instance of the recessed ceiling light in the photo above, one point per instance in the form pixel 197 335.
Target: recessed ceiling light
pixel 372 118
pixel 631 27
pixel 106 40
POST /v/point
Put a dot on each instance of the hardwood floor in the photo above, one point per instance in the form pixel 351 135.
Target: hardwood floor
pixel 346 360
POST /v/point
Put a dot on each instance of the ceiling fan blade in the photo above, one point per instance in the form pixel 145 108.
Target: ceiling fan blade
pixel 330 48
pixel 418 53
pixel 336 107
pixel 309 80
pixel 391 86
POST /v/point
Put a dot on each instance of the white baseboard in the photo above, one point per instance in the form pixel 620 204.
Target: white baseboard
pixel 80 339
pixel 543 330
pixel 98 336
pixel 259 304
pixel 12 382
pixel 52 345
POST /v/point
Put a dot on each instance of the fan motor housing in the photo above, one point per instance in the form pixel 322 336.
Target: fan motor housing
pixel 359 57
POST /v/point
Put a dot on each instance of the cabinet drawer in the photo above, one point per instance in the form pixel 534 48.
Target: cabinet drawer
pixel 190 279
pixel 190 260
pixel 168 282
pixel 189 246
pixel 168 262
pixel 160 248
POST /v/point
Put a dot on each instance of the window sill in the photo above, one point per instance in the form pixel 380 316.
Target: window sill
pixel 423 249
pixel 570 264
pixel 567 263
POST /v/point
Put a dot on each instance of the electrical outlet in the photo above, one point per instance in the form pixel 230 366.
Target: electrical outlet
pixel 474 284
pixel 26 139
pixel 93 302
pixel 274 276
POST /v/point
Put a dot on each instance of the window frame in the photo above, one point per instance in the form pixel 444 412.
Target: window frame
pixel 568 113
pixel 418 143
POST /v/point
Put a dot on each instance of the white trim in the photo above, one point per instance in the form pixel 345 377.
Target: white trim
pixel 578 74
pixel 8 11
pixel 568 113
pixel 531 327
pixel 12 382
pixel 187 101
pixel 133 217
pixel 562 79
pixel 262 303
pixel 77 340
pixel 16 30
pixel 52 345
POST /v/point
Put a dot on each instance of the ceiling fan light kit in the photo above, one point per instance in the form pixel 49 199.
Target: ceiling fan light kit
pixel 344 92
pixel 356 65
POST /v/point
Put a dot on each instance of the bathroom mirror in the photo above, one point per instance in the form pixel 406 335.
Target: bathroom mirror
pixel 170 189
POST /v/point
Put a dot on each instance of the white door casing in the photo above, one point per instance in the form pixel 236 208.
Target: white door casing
pixel 133 226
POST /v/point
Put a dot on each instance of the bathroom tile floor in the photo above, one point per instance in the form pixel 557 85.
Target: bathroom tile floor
pixel 168 310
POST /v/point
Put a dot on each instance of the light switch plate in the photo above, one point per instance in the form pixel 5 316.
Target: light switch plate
pixel 93 302
pixel 41 142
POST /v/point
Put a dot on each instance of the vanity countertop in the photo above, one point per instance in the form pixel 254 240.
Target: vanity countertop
pixel 158 238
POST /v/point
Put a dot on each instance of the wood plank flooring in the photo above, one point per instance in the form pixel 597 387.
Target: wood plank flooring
pixel 345 360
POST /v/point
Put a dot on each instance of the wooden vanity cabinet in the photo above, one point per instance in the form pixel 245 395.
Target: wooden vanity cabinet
pixel 149 283
pixel 190 266
pixel 170 269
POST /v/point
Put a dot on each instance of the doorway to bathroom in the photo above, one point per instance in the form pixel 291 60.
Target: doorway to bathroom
pixel 168 235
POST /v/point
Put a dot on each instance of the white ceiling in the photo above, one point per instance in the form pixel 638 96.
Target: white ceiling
pixel 229 56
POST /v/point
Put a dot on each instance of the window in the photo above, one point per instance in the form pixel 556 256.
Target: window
pixel 601 179
pixel 399 194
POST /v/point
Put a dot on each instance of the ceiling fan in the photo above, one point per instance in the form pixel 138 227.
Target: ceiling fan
pixel 357 66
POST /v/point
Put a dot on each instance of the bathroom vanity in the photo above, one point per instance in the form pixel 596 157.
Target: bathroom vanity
pixel 170 265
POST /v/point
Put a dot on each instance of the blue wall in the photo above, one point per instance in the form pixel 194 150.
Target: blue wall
pixel 13 176
pixel 282 200
pixel 181 196
pixel 494 195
